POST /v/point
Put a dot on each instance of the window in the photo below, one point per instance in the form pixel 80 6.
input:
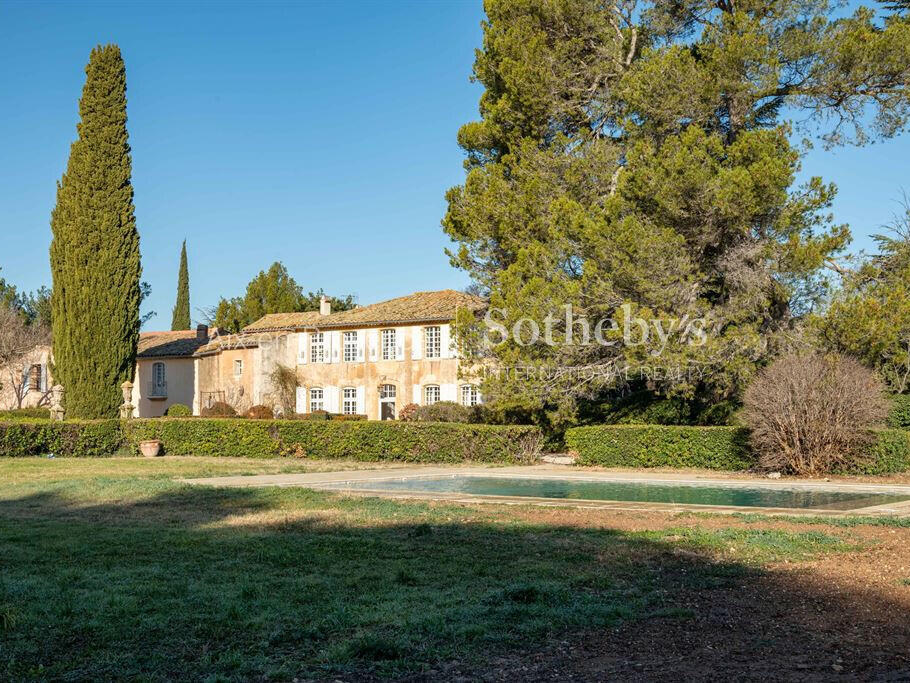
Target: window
pixel 389 342
pixel 469 395
pixel 349 404
pixel 316 402
pixel 387 391
pixel 430 393
pixel 350 347
pixel 238 368
pixel 317 347
pixel 432 342
pixel 35 378
pixel 158 386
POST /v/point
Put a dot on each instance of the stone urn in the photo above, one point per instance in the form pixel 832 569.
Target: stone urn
pixel 150 448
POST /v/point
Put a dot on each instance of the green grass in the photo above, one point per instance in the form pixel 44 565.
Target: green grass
pixel 111 569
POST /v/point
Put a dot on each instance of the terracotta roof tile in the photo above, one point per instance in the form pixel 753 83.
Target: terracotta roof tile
pixel 169 344
pixel 418 307
pixel 226 342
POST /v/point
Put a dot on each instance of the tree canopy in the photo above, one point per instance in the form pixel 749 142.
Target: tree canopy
pixel 271 291
pixel 636 160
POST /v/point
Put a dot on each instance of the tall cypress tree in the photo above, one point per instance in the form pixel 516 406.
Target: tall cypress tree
pixel 95 260
pixel 181 317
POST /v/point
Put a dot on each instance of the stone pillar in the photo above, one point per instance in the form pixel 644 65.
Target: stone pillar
pixel 57 403
pixel 126 410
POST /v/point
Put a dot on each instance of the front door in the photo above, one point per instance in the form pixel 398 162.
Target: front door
pixel 387 402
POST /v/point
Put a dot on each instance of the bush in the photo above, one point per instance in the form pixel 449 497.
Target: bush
pixel 179 410
pixel 888 453
pixel 812 413
pixel 26 414
pixel 219 409
pixel 348 418
pixel 443 411
pixel 96 438
pixel 358 440
pixel 260 413
pixel 899 414
pixel 409 413
pixel 644 408
pixel 717 448
pixel 315 415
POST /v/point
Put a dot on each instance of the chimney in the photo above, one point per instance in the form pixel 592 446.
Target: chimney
pixel 325 307
pixel 202 332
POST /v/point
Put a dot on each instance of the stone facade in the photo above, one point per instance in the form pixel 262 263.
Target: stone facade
pixel 370 361
pixel 27 384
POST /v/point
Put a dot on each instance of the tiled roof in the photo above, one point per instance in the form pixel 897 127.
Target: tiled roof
pixel 283 321
pixel 169 344
pixel 418 307
pixel 227 342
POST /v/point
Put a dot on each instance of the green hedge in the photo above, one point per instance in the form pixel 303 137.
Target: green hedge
pixel 358 440
pixel 899 414
pixel 97 438
pixel 716 448
pixel 888 454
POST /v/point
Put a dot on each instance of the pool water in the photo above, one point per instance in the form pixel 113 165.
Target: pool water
pixel 632 491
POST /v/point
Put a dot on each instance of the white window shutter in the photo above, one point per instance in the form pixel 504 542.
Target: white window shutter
pixel 336 346
pixel 445 339
pixel 448 392
pixel 361 343
pixel 416 343
pixel 361 410
pixel 416 394
pixel 330 395
pixel 301 348
pixel 374 344
pixel 399 343
pixel 300 406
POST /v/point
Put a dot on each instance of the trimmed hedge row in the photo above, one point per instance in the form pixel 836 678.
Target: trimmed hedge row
pixel 716 448
pixel 353 439
pixel 97 438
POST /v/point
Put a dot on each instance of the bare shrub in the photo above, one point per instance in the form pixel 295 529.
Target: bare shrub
pixel 260 413
pixel 810 413
pixel 284 381
pixel 219 409
pixel 409 413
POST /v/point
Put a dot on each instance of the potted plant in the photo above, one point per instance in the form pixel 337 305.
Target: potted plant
pixel 150 448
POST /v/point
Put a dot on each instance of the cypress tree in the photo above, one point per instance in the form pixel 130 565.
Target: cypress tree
pixel 95 260
pixel 181 317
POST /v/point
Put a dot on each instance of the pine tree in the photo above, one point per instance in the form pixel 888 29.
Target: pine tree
pixel 95 261
pixel 181 317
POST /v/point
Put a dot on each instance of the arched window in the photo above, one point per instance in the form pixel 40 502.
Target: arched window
pixel 316 399
pixel 159 379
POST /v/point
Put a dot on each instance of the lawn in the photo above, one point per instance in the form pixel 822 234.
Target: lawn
pixel 111 568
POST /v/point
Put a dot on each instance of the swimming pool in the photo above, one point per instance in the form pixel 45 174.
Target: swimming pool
pixel 814 498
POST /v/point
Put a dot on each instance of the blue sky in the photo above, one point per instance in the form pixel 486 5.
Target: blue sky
pixel 318 134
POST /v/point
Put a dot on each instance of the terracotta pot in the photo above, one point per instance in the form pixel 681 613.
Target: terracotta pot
pixel 150 448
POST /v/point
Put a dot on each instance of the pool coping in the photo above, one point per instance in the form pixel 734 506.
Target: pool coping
pixel 334 481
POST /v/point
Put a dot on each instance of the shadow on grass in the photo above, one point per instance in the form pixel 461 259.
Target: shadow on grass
pixel 272 584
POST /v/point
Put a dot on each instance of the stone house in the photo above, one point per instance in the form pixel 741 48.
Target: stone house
pixel 165 370
pixel 27 384
pixel 372 360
